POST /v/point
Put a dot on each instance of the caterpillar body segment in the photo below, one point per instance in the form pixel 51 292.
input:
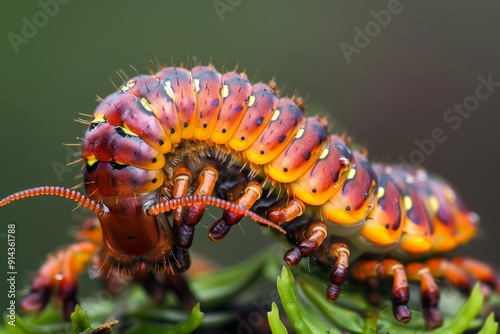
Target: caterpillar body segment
pixel 301 154
pixel 180 140
pixel 323 179
pixel 384 224
pixel 279 142
pixel 350 205
pixel 261 108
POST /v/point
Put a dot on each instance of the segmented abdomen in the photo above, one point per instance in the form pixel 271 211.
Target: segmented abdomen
pixel 379 207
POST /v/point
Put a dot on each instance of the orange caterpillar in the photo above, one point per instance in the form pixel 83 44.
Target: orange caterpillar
pixel 180 140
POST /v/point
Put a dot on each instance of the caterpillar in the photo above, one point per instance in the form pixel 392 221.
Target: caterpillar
pixel 179 140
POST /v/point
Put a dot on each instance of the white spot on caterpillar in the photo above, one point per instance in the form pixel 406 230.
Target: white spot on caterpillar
pixel 381 192
pixel 275 115
pixel 300 133
pixel 126 87
pixel 168 89
pixel 251 100
pixel 225 91
pixel 197 85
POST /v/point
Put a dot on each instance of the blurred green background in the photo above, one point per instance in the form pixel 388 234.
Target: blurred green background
pixel 393 91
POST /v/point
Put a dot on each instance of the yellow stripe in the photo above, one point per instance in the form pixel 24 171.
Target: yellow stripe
pixel 146 104
pixel 407 203
pixel 434 203
pixel 98 118
pixel 352 174
pixel 91 160
pixel 127 130
pixel 325 152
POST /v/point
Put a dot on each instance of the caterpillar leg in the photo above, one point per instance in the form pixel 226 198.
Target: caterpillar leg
pixel 292 210
pixel 363 270
pixel 460 272
pixel 338 272
pixel 184 231
pixel 309 239
pixel 464 272
pixel 182 181
pixel 454 274
pixel 219 229
pixel 480 271
pixel 59 274
pixel 429 293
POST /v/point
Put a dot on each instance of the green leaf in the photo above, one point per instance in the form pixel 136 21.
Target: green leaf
pixel 341 317
pixel 466 314
pixel 294 309
pixel 189 325
pixel 490 325
pixel 370 327
pixel 354 300
pixel 79 321
pixel 216 288
pixel 273 317
pixel 302 299
pixel 19 326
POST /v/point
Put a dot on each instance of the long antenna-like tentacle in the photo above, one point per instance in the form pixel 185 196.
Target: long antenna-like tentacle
pixel 208 200
pixel 76 196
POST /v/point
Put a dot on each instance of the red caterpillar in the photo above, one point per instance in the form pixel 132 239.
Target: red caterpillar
pixel 175 138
